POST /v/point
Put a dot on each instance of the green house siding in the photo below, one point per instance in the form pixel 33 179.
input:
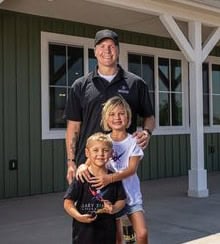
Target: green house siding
pixel 166 156
pixel 41 163
pixel 212 152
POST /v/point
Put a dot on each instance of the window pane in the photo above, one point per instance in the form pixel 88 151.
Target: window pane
pixel 216 109
pixel 57 105
pixel 164 109
pixel 75 64
pixel 152 99
pixel 148 71
pixel 176 75
pixel 134 64
pixel 163 72
pixel 205 78
pixel 66 65
pixel 176 108
pixel 216 79
pixel 206 109
pixel 57 56
pixel 92 60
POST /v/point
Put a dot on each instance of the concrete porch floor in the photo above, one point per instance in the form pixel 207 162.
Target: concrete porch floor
pixel 172 217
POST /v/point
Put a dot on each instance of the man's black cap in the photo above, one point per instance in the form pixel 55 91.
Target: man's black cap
pixel 106 34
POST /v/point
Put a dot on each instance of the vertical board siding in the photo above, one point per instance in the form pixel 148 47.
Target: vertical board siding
pixel 23 110
pixel 34 77
pixel 153 154
pixel 166 156
pixel 59 170
pixel 215 153
pixel 184 155
pixel 2 166
pixel 41 164
pixel 10 103
pixel 161 151
pixel 47 166
pixel 212 152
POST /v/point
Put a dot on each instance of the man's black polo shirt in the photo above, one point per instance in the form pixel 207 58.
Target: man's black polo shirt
pixel 89 93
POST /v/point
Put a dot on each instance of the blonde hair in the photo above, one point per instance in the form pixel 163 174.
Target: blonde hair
pixel 109 106
pixel 99 137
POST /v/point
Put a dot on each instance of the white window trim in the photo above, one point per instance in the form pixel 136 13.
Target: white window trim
pixel 162 53
pixel 87 43
pixel 211 128
pixel 46 38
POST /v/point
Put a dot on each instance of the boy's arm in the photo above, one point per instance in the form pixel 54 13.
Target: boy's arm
pixel 71 209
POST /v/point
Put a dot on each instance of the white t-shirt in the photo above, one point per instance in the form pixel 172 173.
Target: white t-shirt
pixel 122 151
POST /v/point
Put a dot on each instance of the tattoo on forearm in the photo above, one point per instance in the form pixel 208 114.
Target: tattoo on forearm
pixel 73 144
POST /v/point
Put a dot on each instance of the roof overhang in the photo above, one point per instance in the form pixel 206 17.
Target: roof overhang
pixel 138 16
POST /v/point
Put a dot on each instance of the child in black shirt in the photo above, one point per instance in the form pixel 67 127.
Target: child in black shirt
pixel 93 210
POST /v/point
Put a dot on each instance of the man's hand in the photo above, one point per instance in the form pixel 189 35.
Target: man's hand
pixel 143 138
pixel 71 171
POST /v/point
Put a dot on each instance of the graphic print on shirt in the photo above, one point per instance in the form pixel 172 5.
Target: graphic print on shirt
pixel 96 201
pixel 97 194
pixel 117 156
pixel 123 89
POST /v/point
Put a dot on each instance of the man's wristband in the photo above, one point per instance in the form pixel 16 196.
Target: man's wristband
pixel 148 131
pixel 70 160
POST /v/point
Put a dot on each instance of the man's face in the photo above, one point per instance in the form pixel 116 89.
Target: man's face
pixel 107 53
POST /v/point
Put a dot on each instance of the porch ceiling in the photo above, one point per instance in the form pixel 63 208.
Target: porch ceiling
pixel 116 14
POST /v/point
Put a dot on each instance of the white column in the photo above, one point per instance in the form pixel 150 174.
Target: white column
pixel 197 173
pixel 192 50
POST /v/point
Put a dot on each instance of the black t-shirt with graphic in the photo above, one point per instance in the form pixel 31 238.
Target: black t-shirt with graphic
pixel 88 199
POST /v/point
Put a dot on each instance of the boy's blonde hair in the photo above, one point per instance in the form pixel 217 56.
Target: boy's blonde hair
pixel 100 137
pixel 109 106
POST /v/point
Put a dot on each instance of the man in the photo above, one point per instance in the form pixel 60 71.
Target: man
pixel 90 92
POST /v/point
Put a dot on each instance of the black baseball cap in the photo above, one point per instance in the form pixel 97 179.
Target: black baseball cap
pixel 106 34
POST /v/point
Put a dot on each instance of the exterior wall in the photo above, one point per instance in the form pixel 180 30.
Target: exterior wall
pixel 41 163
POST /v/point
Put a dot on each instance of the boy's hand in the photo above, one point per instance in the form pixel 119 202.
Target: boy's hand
pixel 86 218
pixel 107 208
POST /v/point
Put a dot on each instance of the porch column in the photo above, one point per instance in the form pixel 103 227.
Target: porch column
pixel 197 173
pixel 192 50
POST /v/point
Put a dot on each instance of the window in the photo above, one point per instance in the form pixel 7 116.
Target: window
pixel 205 74
pixel 211 93
pixel 170 92
pixel 63 59
pixel 144 67
pixel 165 86
pixel 65 66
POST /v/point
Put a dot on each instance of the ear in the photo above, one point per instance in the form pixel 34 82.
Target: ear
pixel 87 152
pixel 95 51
